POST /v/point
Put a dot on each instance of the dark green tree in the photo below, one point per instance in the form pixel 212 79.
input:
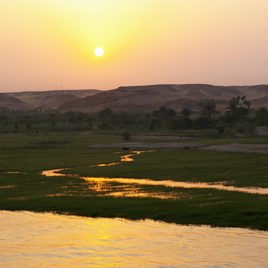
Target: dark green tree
pixel 162 118
pixel 208 114
pixel 239 106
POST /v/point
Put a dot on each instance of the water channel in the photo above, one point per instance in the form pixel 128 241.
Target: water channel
pixel 126 188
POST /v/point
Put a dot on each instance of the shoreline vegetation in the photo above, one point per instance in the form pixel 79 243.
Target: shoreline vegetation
pixel 23 187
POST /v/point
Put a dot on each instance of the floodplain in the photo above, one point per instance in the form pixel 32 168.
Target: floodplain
pixel 73 191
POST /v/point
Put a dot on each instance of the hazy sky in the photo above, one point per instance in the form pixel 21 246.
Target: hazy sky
pixel 49 44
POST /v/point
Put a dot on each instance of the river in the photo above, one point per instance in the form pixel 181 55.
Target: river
pixel 48 240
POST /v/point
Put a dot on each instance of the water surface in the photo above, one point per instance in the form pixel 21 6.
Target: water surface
pixel 47 240
pixel 165 183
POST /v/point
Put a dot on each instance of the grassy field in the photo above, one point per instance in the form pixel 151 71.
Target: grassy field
pixel 29 190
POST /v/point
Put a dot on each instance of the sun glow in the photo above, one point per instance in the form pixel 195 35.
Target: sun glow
pixel 99 52
pixel 79 42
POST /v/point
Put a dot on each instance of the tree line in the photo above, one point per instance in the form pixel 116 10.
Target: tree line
pixel 238 116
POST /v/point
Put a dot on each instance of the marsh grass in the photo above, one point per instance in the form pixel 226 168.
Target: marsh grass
pixel 34 192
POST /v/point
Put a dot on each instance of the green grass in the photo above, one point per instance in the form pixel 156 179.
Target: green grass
pixel 239 169
pixel 31 191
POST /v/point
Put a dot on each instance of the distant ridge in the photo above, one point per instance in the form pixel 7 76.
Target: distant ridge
pixel 133 98
pixel 152 97
pixel 11 103
pixel 50 100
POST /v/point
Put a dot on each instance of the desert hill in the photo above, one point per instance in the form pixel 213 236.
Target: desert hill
pixel 133 98
pixel 149 98
pixel 50 100
pixel 11 103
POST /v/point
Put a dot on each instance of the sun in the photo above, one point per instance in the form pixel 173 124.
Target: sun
pixel 99 51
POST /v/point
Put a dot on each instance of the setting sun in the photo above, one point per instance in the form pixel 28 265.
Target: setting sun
pixel 99 51
pixel 128 125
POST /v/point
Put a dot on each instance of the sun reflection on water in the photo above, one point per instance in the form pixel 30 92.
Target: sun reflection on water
pixel 48 240
pixel 132 187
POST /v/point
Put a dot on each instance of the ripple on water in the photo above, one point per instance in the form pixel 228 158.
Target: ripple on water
pixel 47 240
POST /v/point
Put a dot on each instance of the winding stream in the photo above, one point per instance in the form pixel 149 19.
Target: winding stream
pixel 101 184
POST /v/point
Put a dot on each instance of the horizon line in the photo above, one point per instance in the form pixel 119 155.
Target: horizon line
pixel 129 86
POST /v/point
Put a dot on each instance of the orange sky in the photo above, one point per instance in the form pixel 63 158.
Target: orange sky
pixel 49 44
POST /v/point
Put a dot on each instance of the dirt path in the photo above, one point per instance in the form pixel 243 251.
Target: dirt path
pixel 137 145
pixel 236 147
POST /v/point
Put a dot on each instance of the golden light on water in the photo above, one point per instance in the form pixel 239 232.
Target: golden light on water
pixel 102 184
pixel 48 240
